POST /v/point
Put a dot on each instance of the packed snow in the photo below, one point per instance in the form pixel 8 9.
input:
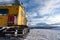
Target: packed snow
pixel 43 34
pixel 40 34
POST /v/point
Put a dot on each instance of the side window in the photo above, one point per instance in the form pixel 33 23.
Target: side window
pixel 4 11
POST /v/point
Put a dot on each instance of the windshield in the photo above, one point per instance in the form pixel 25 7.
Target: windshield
pixel 3 11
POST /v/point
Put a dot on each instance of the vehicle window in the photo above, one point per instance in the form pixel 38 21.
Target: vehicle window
pixel 4 11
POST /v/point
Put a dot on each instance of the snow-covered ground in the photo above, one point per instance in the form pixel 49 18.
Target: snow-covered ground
pixel 43 34
pixel 40 34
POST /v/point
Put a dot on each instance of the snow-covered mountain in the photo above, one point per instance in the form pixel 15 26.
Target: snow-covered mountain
pixel 43 26
pixel 55 24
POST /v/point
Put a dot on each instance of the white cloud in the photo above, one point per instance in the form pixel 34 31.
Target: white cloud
pixel 7 1
pixel 44 7
pixel 49 7
pixel 48 20
pixel 32 14
pixel 52 20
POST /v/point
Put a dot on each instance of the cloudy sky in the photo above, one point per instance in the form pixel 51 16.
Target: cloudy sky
pixel 42 11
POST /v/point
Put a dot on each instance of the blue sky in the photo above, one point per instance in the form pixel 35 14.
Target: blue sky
pixel 42 11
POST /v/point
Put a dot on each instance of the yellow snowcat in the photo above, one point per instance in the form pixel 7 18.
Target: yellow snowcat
pixel 13 19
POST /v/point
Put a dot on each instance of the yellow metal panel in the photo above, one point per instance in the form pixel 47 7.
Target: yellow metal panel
pixel 12 9
pixel 3 20
pixel 21 17
pixel 19 11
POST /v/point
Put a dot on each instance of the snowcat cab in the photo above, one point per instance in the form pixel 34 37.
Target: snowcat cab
pixel 13 20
